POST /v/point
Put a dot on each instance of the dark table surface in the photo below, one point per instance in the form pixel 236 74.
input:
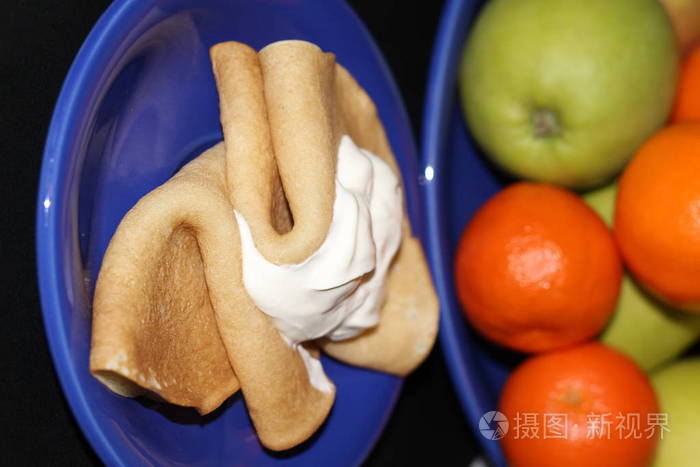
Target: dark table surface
pixel 38 42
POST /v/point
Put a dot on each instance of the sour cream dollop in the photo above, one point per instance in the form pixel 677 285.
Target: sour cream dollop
pixel 338 290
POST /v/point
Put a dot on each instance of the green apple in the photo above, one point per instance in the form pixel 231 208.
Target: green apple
pixel 678 389
pixel 685 17
pixel 650 332
pixel 565 91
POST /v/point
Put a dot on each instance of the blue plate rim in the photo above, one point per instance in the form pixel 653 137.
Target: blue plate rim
pixel 71 96
pixel 440 90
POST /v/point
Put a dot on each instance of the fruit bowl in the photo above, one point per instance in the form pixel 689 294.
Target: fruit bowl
pixel 521 125
pixel 140 101
pixel 457 181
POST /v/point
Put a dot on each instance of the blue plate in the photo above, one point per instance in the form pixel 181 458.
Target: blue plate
pixel 457 181
pixel 138 102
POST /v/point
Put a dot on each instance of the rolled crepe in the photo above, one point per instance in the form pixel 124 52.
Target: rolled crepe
pixel 172 318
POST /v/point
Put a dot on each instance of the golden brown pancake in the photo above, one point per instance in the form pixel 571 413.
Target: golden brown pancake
pixel 172 318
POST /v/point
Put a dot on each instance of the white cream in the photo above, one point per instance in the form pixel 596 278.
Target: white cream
pixel 338 290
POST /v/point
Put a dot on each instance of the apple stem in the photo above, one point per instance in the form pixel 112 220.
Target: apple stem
pixel 545 123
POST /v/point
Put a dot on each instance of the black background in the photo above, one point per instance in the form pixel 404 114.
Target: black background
pixel 38 41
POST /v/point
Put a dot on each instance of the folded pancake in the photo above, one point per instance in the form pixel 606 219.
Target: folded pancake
pixel 172 318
